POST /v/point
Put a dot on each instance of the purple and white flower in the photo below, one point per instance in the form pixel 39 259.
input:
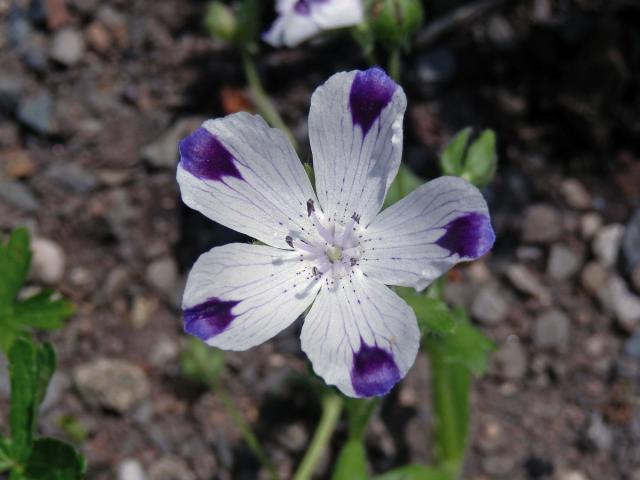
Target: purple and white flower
pixel 330 249
pixel 299 20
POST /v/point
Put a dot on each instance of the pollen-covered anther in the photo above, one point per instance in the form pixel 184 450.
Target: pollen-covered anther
pixel 356 217
pixel 310 207
pixel 289 240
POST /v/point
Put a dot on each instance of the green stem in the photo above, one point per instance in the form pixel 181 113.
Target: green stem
pixel 395 64
pixel 261 99
pixel 248 435
pixel 331 408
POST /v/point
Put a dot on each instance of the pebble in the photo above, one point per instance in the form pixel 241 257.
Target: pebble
pixel 162 274
pixel 551 331
pixel 593 277
pixel 499 465
pixel 529 253
pixel 572 475
pixel 541 224
pixel 170 468
pixel 142 310
pixel 563 262
pixel 600 433
pixel 590 223
pixel 164 352
pixel 616 297
pixel 113 384
pixel 631 242
pixel 163 152
pixel 131 469
pixel 67 47
pixel 19 27
pixel 490 305
pixel 36 112
pixel 511 361
pixel 48 262
pixel 72 177
pixel 34 54
pixel 525 281
pixel 632 345
pixel 18 195
pixel 57 14
pixel 98 37
pixel 490 436
pixel 575 194
pixel 55 390
pixel 17 163
pixel 635 278
pixel 436 66
pixel 606 243
pixel 11 88
pixel 294 437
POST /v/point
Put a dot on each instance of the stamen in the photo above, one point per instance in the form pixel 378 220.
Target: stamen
pixel 355 217
pixel 353 261
pixel 289 240
pixel 310 207
pixel 322 230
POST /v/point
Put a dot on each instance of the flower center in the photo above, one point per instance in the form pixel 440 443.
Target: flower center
pixel 334 254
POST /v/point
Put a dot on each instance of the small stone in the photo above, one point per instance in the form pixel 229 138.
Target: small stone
pixel 541 224
pixel 48 262
pixel 170 468
pixel 56 13
pixel 116 283
pixel 616 297
pixel 164 351
pixel 19 27
pixel 437 66
pixel 490 305
pixel 131 469
pixel 162 274
pixel 11 88
pixel 72 177
pixel 575 194
pixel 606 244
pixel 572 475
pixel 522 278
pixel 600 433
pixel 631 242
pixel 115 385
pixel 17 163
pixel 590 223
pixel 163 152
pixel 142 310
pixel 34 55
pixel 528 253
pixel 490 437
pixel 67 47
pixel 593 277
pixel 18 195
pixel 36 112
pixel 632 345
pixel 499 465
pixel 635 278
pixel 98 37
pixel 500 31
pixel 55 390
pixel 551 331
pixel 294 438
pixel 563 262
pixel 511 361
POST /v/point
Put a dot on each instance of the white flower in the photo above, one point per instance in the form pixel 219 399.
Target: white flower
pixel 299 20
pixel 330 249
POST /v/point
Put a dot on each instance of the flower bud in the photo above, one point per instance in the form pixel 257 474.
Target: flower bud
pixel 221 21
pixel 393 22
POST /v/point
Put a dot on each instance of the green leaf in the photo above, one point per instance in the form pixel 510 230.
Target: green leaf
pixel 434 316
pixel 481 162
pixel 359 412
pixel 351 463
pixel 73 428
pixel 52 459
pixel 405 182
pixel 41 311
pixel 413 472
pixel 15 259
pixel 453 155
pixel 202 363
pixel 6 462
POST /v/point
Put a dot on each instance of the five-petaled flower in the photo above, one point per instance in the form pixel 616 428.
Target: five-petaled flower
pixel 330 249
pixel 299 20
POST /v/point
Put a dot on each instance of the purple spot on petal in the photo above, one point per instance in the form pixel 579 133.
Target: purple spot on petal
pixel 303 7
pixel 204 156
pixel 209 318
pixel 374 371
pixel 371 91
pixel 469 236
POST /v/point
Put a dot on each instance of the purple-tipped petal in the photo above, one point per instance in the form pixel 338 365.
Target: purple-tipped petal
pixel 208 319
pixel 371 92
pixel 202 154
pixel 468 236
pixel 303 7
pixel 374 371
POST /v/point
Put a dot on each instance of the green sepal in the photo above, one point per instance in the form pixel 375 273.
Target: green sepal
pixel 352 462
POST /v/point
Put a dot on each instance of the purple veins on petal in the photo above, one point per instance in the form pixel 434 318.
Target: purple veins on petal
pixel 209 318
pixel 202 154
pixel 371 92
pixel 469 235
pixel 374 371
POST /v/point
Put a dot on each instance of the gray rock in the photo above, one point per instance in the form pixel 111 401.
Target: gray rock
pixel 511 361
pixel 36 112
pixel 600 433
pixel 18 195
pixel 563 262
pixel 541 224
pixel 11 88
pixel 19 27
pixel 490 305
pixel 499 464
pixel 635 278
pixel 163 152
pixel 632 345
pixel 525 281
pixel 436 66
pixel 572 475
pixel 500 31
pixel 131 469
pixel 170 468
pixel 67 47
pixel 616 297
pixel 529 253
pixel 575 194
pixel 590 223
pixel 72 177
pixel 57 387
pixel 294 437
pixel 631 242
pixel 164 352
pixel 48 263
pixel 606 244
pixel 162 274
pixel 112 384
pixel 593 277
pixel 551 331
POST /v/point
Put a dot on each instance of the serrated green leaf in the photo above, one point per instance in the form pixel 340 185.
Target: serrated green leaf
pixel 15 259
pixel 23 373
pixel 453 156
pixel 481 162
pixel 405 182
pixel 41 311
pixel 413 472
pixel 52 459
pixel 46 365
pixel 434 316
pixel 352 462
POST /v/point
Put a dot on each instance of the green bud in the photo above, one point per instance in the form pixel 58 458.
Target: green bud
pixel 474 161
pixel 221 21
pixel 393 22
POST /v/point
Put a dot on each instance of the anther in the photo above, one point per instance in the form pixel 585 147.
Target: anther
pixel 315 271
pixel 355 217
pixel 310 207
pixel 289 241
pixel 353 261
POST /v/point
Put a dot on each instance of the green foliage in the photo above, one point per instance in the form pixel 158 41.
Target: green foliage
pixel 434 317
pixel 413 472
pixel 18 317
pixel 202 363
pixel 74 428
pixel 220 21
pixel 476 161
pixel 359 412
pixel 352 462
pixel 405 182
pixel 52 459
pixel 393 22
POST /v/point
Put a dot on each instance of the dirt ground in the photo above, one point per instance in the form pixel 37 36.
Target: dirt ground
pixel 94 96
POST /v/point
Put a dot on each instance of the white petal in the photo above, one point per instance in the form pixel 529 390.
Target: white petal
pixel 239 172
pixel 238 296
pixel 419 238
pixel 361 337
pixel 331 14
pixel 355 128
pixel 291 29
